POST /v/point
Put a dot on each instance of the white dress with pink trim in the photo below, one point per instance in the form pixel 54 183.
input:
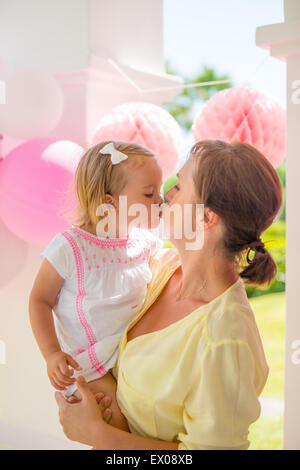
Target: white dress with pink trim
pixel 105 285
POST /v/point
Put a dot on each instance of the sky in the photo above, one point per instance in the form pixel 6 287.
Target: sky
pixel 221 34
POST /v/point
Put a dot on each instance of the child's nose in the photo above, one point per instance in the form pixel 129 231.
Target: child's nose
pixel 168 195
pixel 160 200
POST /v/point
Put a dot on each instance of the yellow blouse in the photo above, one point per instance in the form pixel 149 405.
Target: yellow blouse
pixel 197 381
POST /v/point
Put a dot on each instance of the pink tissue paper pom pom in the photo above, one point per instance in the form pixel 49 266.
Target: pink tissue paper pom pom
pixel 244 114
pixel 148 125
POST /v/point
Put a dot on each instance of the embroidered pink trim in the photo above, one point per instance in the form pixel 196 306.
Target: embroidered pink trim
pixel 95 361
pixel 81 294
pixel 103 242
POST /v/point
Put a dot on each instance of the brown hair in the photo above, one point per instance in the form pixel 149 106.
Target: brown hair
pixel 240 185
pixel 96 175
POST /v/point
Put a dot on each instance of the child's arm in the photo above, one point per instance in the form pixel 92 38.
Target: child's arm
pixel 41 302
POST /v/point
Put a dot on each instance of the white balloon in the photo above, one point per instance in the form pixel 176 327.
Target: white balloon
pixel 65 153
pixel 34 104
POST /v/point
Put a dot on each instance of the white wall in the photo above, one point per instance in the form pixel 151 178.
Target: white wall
pixel 52 35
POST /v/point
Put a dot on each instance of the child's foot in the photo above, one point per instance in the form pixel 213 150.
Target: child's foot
pixel 73 399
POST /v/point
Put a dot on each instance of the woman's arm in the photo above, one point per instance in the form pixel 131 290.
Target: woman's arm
pixel 83 422
pixel 222 401
pixel 106 437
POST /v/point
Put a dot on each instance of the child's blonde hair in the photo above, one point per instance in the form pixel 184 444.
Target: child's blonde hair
pixel 96 176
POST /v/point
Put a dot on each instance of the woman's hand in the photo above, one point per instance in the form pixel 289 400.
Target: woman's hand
pixel 82 422
pixel 83 419
pixel 103 401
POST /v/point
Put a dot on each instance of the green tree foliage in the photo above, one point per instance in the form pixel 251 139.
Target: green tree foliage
pixel 183 106
pixel 281 171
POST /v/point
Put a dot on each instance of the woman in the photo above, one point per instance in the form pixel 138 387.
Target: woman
pixel 191 365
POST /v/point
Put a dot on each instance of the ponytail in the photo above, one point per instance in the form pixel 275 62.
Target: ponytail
pixel 261 269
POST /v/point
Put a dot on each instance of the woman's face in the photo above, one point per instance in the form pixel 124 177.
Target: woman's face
pixel 181 198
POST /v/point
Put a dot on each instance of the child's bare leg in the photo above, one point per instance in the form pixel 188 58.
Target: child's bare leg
pixel 108 386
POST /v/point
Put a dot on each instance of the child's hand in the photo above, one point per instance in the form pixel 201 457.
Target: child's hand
pixel 59 371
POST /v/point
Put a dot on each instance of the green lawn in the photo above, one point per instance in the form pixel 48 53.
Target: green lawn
pixel 266 434
pixel 269 310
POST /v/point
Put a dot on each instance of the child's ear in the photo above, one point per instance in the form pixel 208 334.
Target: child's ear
pixel 109 199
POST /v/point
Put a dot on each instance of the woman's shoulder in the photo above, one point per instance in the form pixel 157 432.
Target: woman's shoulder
pixel 233 323
pixel 231 317
pixel 165 258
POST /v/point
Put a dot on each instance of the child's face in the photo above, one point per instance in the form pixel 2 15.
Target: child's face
pixel 144 188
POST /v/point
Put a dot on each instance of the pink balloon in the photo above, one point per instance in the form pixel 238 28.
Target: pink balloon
pixel 34 184
pixel 244 114
pixel 8 144
pixel 145 124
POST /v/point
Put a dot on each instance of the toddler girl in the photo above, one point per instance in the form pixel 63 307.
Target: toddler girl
pixel 95 279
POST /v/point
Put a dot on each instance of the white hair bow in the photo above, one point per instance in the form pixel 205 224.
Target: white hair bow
pixel 115 155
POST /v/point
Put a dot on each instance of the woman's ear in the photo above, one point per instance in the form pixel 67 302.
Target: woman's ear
pixel 210 218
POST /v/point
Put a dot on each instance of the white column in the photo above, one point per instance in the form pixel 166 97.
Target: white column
pixel 292 347
pixel 130 32
pixel 283 41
